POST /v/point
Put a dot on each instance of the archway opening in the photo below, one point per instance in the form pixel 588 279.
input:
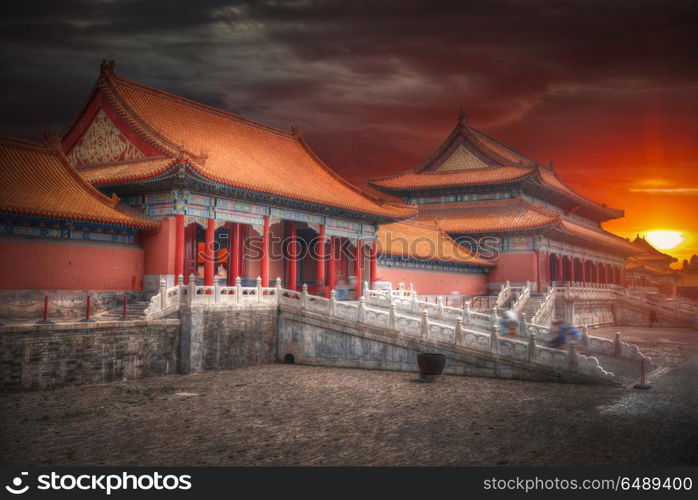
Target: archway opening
pixel 289 359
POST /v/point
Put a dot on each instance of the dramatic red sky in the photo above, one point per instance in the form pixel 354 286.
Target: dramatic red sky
pixel 608 90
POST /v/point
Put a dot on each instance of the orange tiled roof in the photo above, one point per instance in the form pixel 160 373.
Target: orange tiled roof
pixel 512 214
pixel 491 163
pixel 635 264
pixel 415 181
pixel 597 235
pixel 650 253
pixel 487 216
pixel 37 179
pixel 126 171
pixel 422 241
pixel 234 151
pixel 549 179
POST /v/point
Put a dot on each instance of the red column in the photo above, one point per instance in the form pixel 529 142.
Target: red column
pixel 234 253
pixel 179 246
pixel 209 254
pixel 331 272
pixel 358 258
pixel 571 268
pixel 539 287
pixel 292 256
pixel 320 264
pixel 374 263
pixel 559 268
pixel 265 253
pixel 583 266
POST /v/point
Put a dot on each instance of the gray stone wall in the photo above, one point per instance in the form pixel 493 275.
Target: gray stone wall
pixel 49 356
pixel 29 304
pixel 314 341
pixel 225 337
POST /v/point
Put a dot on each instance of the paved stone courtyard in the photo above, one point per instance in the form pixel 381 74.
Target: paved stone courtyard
pixel 300 415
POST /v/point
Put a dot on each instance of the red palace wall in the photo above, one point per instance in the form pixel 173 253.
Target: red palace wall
pixel 160 248
pixel 63 265
pixel 430 282
pixel 514 267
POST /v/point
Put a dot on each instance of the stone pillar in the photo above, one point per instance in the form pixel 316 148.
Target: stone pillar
pixel 572 357
pixel 532 348
pixel 617 346
pixel 458 334
pixel 209 253
pixel 373 268
pixel 425 324
pixel 264 267
pixel 320 263
pixel 179 245
pixel 292 256
pixel 331 265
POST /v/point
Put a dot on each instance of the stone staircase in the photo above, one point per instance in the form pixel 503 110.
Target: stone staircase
pixel 531 306
pixel 134 310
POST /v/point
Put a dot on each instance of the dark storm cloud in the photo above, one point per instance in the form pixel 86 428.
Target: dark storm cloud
pixel 374 84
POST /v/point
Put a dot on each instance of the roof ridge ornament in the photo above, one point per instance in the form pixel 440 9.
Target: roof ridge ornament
pixel 108 67
pixel 295 131
pixel 462 118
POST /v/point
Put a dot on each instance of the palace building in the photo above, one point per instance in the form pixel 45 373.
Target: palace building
pixel 483 193
pixel 650 268
pixel 146 186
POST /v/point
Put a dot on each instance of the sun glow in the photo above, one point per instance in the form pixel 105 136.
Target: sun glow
pixel 664 240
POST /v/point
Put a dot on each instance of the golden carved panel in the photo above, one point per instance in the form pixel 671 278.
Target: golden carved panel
pixel 101 143
pixel 461 159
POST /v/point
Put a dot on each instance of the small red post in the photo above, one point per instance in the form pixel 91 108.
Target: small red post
pixel 125 302
pixel 44 317
pixel 643 383
pixel 446 300
pixel 87 312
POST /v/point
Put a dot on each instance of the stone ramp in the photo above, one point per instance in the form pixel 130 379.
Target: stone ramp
pixel 309 338
pixel 625 371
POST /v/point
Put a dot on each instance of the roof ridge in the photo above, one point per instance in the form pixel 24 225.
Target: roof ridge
pixel 24 143
pixel 204 107
pixel 380 201
pixel 578 195
pixel 51 148
pixel 54 146
pixel 94 166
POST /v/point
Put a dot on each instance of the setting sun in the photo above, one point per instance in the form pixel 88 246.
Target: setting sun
pixel 664 240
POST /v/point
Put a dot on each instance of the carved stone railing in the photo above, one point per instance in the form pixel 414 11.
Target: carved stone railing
pixel 503 295
pixel 410 317
pixel 522 297
pixel 546 307
pixel 666 304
